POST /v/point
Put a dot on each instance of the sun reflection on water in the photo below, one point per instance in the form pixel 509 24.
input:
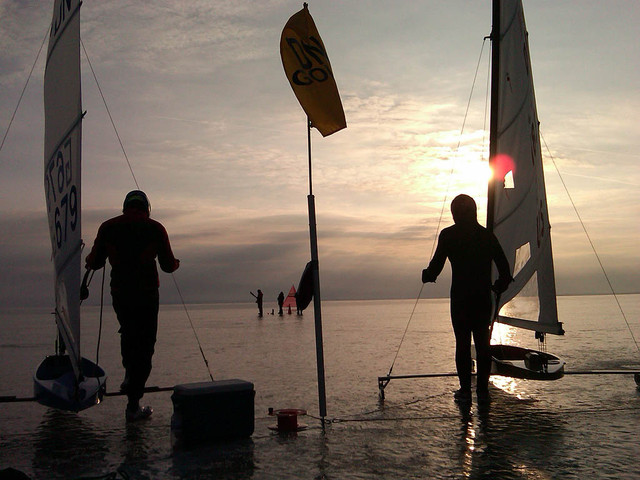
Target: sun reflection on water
pixel 505 334
pixel 469 449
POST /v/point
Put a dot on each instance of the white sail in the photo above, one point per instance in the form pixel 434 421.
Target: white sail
pixel 62 148
pixel 520 217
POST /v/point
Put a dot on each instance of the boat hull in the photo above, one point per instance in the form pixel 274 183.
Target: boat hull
pixel 518 362
pixel 55 384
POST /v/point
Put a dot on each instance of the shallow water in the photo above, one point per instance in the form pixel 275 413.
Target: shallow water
pixel 577 427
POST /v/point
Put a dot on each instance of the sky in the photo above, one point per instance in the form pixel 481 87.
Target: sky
pixel 217 139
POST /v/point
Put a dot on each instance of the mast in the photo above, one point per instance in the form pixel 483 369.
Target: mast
pixel 493 125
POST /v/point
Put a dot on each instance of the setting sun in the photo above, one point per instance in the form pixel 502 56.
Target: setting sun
pixel 474 170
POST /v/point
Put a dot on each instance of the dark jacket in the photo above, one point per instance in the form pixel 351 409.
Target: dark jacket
pixel 131 242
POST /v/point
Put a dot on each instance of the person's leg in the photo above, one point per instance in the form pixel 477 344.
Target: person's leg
pixel 143 335
pixel 482 340
pixel 126 318
pixel 138 317
pixel 463 352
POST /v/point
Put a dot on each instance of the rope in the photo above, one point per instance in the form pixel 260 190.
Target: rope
pixel 206 362
pixel 464 122
pixel 584 228
pixel 357 418
pixel 444 201
pixel 568 411
pixel 104 269
pixel 13 116
pixel 104 101
pixel 405 330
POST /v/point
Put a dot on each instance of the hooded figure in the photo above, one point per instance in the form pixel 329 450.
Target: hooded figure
pixel 471 249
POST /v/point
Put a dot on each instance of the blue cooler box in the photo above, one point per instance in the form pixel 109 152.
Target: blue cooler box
pixel 208 411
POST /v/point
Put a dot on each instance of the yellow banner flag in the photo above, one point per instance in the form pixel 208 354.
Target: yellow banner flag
pixel 307 67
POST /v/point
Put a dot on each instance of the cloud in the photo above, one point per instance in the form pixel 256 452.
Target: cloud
pixel 217 139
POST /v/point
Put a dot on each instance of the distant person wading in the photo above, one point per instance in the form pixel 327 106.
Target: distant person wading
pixel 258 298
pixel 131 242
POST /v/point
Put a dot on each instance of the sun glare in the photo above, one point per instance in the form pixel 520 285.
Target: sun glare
pixel 474 171
pixel 502 165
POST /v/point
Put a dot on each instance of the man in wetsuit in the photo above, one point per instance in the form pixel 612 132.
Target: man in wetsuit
pixel 470 249
pixel 131 242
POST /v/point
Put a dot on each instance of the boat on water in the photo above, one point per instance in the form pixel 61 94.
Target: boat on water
pixel 517 206
pixel 517 202
pixel 65 380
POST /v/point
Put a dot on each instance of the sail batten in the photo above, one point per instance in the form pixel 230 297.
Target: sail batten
pixel 554 328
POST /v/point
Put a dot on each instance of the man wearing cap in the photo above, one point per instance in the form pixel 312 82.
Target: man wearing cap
pixel 471 249
pixel 131 242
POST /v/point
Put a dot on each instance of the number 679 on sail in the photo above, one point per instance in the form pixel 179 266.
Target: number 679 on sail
pixel 62 195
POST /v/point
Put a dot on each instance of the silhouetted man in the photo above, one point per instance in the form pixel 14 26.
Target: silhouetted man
pixel 280 303
pixel 470 249
pixel 131 242
pixel 258 301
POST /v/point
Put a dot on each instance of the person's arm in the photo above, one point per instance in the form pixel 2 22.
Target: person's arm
pixel 98 255
pixel 436 265
pixel 168 263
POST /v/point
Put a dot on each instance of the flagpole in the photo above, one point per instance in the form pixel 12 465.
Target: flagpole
pixel 313 237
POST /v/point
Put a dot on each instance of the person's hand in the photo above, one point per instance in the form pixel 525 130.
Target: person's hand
pixel 501 284
pixel 84 289
pixel 426 277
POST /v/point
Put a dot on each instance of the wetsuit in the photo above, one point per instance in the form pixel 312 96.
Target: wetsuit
pixel 470 249
pixel 131 242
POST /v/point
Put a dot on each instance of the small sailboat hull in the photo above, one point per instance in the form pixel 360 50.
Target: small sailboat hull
pixel 518 362
pixel 55 384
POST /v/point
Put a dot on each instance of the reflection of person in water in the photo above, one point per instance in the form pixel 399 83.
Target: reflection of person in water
pixel 470 249
pixel 280 303
pixel 258 301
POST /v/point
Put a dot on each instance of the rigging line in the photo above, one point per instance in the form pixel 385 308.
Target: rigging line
pixel 206 362
pixel 109 114
pixel 24 89
pixel 584 228
pixel 487 102
pixel 568 411
pixel 104 269
pixel 405 330
pixel 138 186
pixel 453 166
pixel 444 200
pixel 390 407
